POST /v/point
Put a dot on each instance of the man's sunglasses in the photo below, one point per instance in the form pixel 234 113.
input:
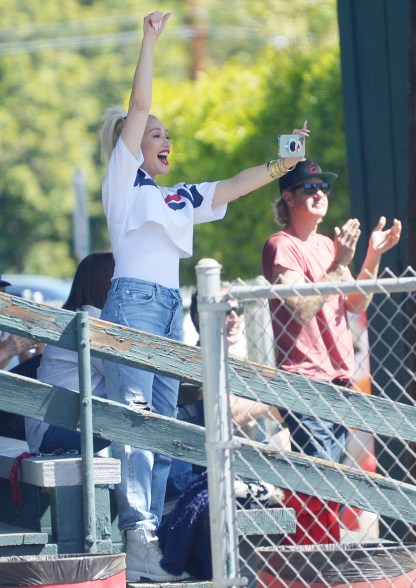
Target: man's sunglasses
pixel 239 309
pixel 311 188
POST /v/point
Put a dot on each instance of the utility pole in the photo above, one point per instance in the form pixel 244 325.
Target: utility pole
pixel 80 217
pixel 197 24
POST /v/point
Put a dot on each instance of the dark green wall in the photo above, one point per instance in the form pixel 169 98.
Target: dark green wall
pixel 375 37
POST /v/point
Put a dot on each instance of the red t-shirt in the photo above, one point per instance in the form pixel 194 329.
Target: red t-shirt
pixel 323 349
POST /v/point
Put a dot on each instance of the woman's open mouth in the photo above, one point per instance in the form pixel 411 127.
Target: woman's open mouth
pixel 163 157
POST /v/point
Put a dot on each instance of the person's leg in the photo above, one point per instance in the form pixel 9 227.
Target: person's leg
pixel 164 400
pixel 317 519
pixel 157 310
pixel 316 437
pixel 181 473
pixel 12 425
pixel 56 438
pixel 180 477
pixel 133 494
pixel 165 393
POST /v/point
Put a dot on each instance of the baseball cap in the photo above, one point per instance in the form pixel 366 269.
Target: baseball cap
pixel 3 283
pixel 303 171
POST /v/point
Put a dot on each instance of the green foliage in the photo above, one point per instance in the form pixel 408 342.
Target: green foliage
pixel 63 63
pixel 232 117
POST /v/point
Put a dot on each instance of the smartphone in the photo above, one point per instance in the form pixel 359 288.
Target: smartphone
pixel 291 146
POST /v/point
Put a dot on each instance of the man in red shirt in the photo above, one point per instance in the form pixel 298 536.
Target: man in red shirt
pixel 312 333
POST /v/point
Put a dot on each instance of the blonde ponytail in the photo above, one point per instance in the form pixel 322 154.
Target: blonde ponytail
pixel 281 212
pixel 111 126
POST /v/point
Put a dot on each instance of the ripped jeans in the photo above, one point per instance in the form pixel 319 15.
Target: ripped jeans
pixel 157 310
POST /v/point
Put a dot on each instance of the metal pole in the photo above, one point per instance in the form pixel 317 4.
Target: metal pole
pixel 219 439
pixel 87 446
pixel 261 348
pixel 258 329
pixel 378 286
pixel 80 217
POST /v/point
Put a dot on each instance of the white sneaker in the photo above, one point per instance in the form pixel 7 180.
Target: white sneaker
pixel 143 557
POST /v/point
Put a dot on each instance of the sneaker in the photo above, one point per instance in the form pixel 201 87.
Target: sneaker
pixel 143 557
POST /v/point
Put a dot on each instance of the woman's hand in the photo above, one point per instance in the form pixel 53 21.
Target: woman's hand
pixel 303 132
pixel 154 23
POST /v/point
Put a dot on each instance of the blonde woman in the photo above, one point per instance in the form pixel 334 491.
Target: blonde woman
pixel 151 229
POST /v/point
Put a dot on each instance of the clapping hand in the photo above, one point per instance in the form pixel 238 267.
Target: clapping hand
pixel 383 240
pixel 345 241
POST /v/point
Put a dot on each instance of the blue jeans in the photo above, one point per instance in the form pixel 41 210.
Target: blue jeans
pixel 157 310
pixel 315 437
pixel 183 473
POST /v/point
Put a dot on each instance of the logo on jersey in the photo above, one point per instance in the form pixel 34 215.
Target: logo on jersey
pixel 175 201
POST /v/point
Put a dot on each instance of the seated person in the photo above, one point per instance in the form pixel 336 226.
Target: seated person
pixel 13 425
pixel 190 404
pixel 14 349
pixel 59 366
pixel 23 354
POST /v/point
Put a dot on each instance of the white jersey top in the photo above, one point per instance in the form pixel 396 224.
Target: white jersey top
pixel 151 227
pixel 59 367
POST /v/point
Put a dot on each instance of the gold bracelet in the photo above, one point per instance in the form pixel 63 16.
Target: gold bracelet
pixel 277 169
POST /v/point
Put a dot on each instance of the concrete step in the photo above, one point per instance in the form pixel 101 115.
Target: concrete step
pixel 16 540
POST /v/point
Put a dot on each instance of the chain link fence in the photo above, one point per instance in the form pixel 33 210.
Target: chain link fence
pixel 354 520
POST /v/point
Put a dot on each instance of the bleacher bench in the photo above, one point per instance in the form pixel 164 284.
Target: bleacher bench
pixel 51 488
pixel 51 519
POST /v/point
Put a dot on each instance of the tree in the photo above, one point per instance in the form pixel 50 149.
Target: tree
pixel 218 128
pixel 62 64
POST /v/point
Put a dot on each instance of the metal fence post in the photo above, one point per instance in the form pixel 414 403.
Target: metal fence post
pixel 87 446
pixel 258 328
pixel 219 439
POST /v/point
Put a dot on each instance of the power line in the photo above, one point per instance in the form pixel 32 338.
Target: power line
pixel 79 42
pixel 31 30
pixel 119 38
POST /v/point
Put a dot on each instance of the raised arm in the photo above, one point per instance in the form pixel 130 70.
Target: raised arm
pixel 380 241
pixel 253 178
pixel 141 93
